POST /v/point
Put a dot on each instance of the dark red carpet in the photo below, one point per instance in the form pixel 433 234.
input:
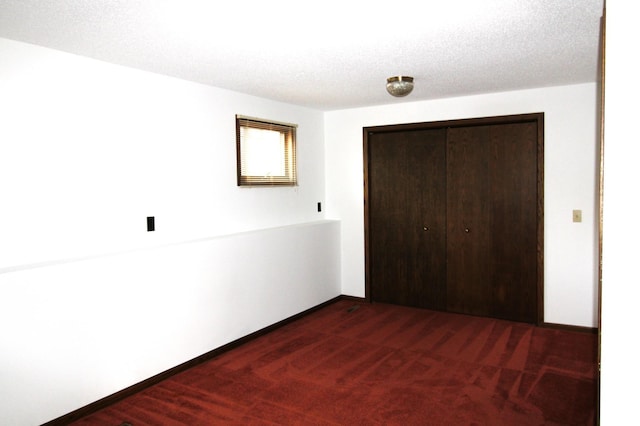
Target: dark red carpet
pixel 381 365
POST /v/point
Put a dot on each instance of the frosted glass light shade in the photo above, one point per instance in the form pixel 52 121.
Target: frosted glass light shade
pixel 400 85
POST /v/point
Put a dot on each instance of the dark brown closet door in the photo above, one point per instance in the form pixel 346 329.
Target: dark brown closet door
pixel 407 217
pixel 492 220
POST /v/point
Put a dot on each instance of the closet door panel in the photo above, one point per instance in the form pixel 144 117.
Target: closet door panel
pixel 407 216
pixel 513 179
pixel 492 222
pixel 454 216
pixel 469 221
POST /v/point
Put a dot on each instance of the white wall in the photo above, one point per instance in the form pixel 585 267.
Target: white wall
pixel 75 332
pixel 89 150
pixel 620 272
pixel 570 250
pixel 91 303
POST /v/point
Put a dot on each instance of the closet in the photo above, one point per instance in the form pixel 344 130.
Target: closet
pixel 454 215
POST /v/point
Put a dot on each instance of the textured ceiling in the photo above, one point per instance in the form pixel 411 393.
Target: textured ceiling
pixel 331 54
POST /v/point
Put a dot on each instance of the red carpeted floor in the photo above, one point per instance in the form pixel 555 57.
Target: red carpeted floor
pixel 381 365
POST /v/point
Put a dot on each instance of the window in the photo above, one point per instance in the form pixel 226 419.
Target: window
pixel 266 152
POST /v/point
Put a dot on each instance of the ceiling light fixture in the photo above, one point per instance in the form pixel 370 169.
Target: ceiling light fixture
pixel 400 85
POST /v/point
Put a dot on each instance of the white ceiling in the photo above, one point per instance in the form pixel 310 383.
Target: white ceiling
pixel 327 54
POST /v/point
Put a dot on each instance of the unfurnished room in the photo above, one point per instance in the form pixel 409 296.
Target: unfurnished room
pixel 327 213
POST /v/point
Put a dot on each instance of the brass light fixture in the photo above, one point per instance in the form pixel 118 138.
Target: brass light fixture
pixel 399 85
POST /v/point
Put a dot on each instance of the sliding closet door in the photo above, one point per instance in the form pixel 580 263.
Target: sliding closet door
pixel 407 217
pixel 492 205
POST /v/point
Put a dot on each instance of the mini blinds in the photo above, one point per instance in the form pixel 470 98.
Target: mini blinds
pixel 266 152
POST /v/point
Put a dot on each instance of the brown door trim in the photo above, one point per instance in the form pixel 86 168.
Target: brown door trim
pixel 533 117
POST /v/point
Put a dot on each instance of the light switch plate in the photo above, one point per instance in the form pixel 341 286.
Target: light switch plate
pixel 577 215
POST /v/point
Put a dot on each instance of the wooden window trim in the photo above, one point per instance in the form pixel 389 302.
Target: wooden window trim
pixel 288 131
